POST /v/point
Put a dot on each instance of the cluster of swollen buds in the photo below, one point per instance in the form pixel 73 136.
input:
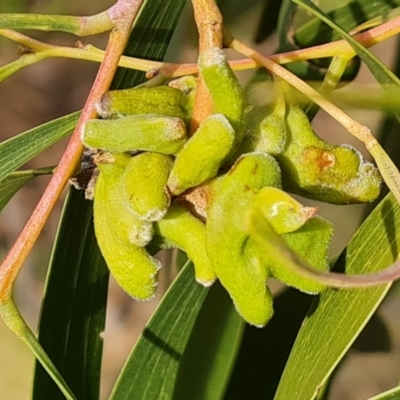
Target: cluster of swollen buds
pixel 159 187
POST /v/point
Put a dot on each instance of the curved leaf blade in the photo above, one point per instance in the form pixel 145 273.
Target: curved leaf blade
pixel 211 352
pixel 16 180
pixel 18 150
pixel 392 394
pixel 381 72
pixel 348 16
pixel 340 315
pixel 264 352
pixel 72 316
pixel 190 346
pixel 162 343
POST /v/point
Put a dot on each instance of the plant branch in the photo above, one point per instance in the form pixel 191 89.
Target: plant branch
pixel 209 24
pixel 339 48
pixel 331 79
pixel 79 26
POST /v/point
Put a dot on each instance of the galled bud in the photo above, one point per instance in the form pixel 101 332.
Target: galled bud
pixel 226 92
pixel 160 100
pixel 131 266
pixel 233 257
pixel 203 154
pixel 125 225
pixel 282 211
pixel 143 185
pixel 311 242
pixel 145 132
pixel 316 169
pixel 179 228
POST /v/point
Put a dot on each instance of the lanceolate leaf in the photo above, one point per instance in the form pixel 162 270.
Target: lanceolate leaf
pixel 190 346
pixel 73 308
pixel 20 149
pixel 152 367
pixel 348 16
pixel 284 20
pixel 392 394
pixel 16 180
pixel 382 73
pixel 264 352
pixel 340 315
pixel 307 70
pixel 211 352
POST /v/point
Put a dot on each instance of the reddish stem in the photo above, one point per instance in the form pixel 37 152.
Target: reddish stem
pixel 209 24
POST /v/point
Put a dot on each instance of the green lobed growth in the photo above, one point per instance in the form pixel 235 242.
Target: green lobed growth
pixel 195 193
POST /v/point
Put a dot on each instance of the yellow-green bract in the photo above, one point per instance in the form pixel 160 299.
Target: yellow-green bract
pixel 311 243
pixel 143 185
pixel 181 229
pixel 203 154
pixel 282 211
pixel 131 266
pixel 267 130
pixel 233 256
pixel 160 100
pixel 226 92
pixel 146 132
pixel 282 254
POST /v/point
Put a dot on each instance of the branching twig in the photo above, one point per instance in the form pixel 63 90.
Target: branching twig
pixel 79 26
pixel 339 48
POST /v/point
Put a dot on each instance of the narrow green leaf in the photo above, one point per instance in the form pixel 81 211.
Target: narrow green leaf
pixel 18 150
pixel 211 352
pixel 16 180
pixel 340 315
pixel 264 352
pixel 154 28
pixel 284 21
pixel 73 308
pixel 392 394
pixel 268 20
pixel 348 16
pixel 73 341
pixel 44 22
pixel 14 66
pixel 307 70
pixel 153 365
pixel 381 72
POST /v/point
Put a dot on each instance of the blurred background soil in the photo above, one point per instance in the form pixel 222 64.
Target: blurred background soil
pixel 57 87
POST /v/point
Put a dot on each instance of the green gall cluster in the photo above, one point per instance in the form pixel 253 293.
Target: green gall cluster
pixel 159 187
